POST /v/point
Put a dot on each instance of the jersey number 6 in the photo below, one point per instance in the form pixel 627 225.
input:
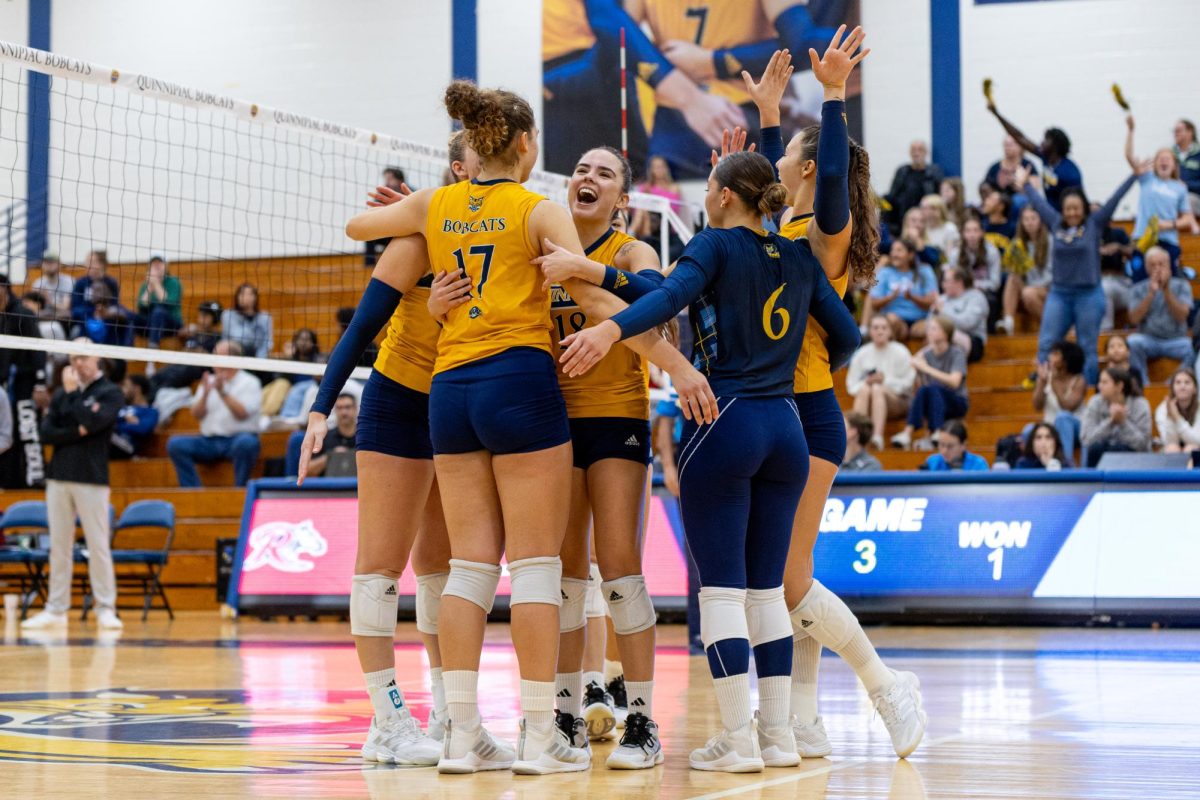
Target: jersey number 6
pixel 484 250
pixel 770 312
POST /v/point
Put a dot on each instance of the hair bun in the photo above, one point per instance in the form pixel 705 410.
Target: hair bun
pixel 773 199
pixel 481 115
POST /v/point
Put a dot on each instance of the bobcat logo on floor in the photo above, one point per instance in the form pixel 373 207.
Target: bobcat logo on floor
pixel 280 545
pixel 184 731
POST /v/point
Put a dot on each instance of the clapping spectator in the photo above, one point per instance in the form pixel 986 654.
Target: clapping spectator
pixel 858 432
pixel 136 421
pixel 200 336
pixel 952 451
pixel 1178 415
pixel 1117 418
pixel 159 302
pixel 1187 153
pixel 227 405
pixel 1043 449
pixel 1163 205
pixel 940 231
pixel 880 378
pixel 1027 262
pixel 942 384
pixel 966 307
pixel 1076 297
pixel 911 182
pixel 980 258
pixel 1059 393
pixel 1001 174
pixel 1160 308
pixel 905 291
pixel 1061 173
pixel 110 323
pixel 56 287
pixel 246 325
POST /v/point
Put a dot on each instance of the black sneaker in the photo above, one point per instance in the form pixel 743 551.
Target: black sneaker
pixel 574 728
pixel 639 747
pixel 598 711
pixel 616 689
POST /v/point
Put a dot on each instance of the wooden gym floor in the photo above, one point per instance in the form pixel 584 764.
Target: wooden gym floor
pixel 205 707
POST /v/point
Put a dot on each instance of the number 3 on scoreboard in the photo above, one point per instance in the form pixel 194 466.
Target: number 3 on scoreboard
pixel 485 250
pixel 866 555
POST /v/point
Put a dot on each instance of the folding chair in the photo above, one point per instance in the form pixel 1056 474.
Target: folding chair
pixel 146 514
pixel 26 516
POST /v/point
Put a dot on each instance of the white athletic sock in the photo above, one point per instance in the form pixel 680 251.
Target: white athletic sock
pixel 568 690
pixel 612 671
pixel 773 701
pixel 462 700
pixel 593 677
pixel 537 703
pixel 641 695
pixel 806 661
pixel 386 697
pixel 733 697
pixel 437 688
pixel 828 620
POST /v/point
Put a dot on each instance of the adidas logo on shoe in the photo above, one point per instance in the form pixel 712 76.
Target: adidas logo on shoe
pixel 391 592
pixel 632 441
pixel 614 597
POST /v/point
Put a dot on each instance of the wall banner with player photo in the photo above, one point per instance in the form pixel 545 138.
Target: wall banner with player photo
pixel 682 62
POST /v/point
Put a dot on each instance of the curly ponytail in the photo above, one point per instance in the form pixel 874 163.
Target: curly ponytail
pixel 492 118
pixel 864 239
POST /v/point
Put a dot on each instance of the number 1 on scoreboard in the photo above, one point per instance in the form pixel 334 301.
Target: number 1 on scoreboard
pixel 997 559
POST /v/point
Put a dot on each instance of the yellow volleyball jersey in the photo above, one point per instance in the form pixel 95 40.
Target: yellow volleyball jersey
pixel 565 28
pixel 715 25
pixel 812 369
pixel 483 229
pixel 618 385
pixel 409 347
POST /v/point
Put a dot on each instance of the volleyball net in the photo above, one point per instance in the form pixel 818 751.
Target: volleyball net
pixel 103 172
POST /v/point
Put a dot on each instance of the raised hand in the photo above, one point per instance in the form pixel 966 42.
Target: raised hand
pixel 833 68
pixel 731 143
pixel 768 92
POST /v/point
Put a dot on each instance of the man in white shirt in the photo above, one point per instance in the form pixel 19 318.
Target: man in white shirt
pixel 226 403
pixel 56 288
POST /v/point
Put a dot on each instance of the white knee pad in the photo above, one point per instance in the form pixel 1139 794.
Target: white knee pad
pixel 629 604
pixel 722 614
pixel 824 617
pixel 571 616
pixel 595 596
pixel 429 601
pixel 767 616
pixel 473 581
pixel 536 580
pixel 373 606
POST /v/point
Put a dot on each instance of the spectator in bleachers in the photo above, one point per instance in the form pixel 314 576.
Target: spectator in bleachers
pixel 137 420
pixel 1061 173
pixel 952 451
pixel 203 334
pixel 940 230
pixel 17 320
pixel 83 307
pixel 1160 308
pixel 1059 393
pixel 1027 262
pixel 996 211
pixel 200 336
pixel 79 425
pixel 48 327
pixel 227 405
pixel 1001 174
pixel 645 225
pixel 1116 354
pixel 56 287
pixel 1117 418
pixel 393 184
pixel 1163 205
pixel 966 307
pixel 246 325
pixel 905 291
pixel 976 255
pixel 1187 153
pixel 159 303
pixel 911 182
pixel 1115 250
pixel 110 323
pixel 341 438
pixel 1043 449
pixel 880 378
pixel 951 190
pixel 304 348
pixel 344 316
pixel 1178 415
pixel 941 384
pixel 1075 298
pixel 859 431
pixel 914 228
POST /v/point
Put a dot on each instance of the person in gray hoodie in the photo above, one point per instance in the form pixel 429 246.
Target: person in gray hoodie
pixel 1117 418
pixel 965 306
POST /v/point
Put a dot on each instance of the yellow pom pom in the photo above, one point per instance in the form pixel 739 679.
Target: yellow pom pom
pixel 1120 98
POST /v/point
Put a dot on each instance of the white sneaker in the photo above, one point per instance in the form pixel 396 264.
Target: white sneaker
pixel 730 751
pixel 811 740
pixel 549 751
pixel 877 441
pixel 1007 325
pixel 598 712
pixel 900 708
pixel 469 750
pixel 925 444
pixel 399 740
pixel 436 729
pixel 639 747
pixel 777 745
pixel 107 619
pixel 903 440
pixel 44 620
pixel 574 728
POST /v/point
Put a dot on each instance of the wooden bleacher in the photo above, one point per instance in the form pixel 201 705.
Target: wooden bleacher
pixel 309 291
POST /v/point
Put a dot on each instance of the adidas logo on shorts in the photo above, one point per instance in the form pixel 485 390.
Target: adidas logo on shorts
pixel 632 441
pixel 391 592
pixel 804 623
pixel 614 597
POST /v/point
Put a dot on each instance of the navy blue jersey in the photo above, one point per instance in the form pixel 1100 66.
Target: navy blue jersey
pixel 750 295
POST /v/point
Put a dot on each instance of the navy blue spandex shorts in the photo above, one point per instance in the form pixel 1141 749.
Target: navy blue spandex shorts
pixel 393 419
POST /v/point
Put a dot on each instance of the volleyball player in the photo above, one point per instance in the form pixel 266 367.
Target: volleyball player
pixel 820 618
pixel 498 424
pixel 395 478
